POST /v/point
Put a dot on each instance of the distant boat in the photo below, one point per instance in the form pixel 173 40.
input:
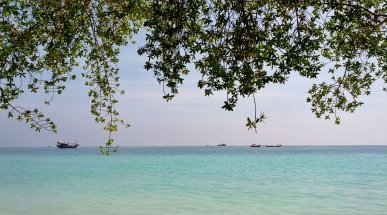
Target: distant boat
pixel 223 144
pixel 277 145
pixel 66 145
pixel 255 145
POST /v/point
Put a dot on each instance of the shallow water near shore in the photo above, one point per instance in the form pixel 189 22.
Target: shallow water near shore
pixel 195 180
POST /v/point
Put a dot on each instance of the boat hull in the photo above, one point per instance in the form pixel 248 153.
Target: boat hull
pixel 254 145
pixel 67 146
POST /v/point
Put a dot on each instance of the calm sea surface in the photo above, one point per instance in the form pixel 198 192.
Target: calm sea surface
pixel 195 180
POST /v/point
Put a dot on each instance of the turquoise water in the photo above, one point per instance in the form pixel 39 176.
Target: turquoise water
pixel 195 180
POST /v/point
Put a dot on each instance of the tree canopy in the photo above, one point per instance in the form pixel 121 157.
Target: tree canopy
pixel 237 46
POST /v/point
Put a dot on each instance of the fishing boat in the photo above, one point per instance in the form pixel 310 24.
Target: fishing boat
pixel 255 145
pixel 223 144
pixel 66 145
pixel 277 145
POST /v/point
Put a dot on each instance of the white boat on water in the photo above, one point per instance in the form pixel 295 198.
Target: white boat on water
pixel 277 145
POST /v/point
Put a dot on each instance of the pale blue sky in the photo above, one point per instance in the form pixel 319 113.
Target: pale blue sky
pixel 192 119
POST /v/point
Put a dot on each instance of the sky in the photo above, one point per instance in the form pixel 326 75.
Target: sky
pixel 192 119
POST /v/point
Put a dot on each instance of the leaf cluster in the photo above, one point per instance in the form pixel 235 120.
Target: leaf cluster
pixel 243 46
pixel 43 41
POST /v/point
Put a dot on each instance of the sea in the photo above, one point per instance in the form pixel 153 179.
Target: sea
pixel 208 180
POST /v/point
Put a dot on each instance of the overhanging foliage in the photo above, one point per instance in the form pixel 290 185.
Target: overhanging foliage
pixel 238 46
